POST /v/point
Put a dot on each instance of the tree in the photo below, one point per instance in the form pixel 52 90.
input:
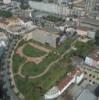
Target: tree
pixel 97 33
pixel 1 30
pixel 84 48
pixel 1 89
pixel 24 5
pixel 97 37
pixel 5 14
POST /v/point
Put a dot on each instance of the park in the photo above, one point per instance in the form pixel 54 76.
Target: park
pixel 36 68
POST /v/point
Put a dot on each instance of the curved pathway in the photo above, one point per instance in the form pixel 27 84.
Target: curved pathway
pixel 20 69
pixel 48 67
pixel 37 76
pixel 36 60
pixel 12 74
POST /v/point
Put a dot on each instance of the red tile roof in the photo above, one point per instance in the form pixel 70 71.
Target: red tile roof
pixel 68 78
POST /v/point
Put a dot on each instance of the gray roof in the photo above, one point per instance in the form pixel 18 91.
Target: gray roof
pixel 87 95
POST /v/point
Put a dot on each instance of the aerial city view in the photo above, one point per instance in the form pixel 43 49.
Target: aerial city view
pixel 49 49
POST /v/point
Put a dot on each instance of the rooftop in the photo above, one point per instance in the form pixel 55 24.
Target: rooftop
pixel 87 95
pixel 68 78
pixel 94 54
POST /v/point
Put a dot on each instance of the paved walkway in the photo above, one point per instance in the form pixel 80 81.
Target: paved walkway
pixel 20 70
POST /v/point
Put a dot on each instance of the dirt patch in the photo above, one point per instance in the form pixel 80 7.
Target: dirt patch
pixel 40 47
pixel 36 60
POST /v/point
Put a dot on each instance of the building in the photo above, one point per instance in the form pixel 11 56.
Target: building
pixel 87 95
pixel 90 5
pixel 21 27
pixel 6 1
pixel 89 23
pixel 91 66
pixel 22 13
pixel 92 59
pixel 75 76
pixel 43 37
pixel 85 32
pixel 55 8
pixel 88 65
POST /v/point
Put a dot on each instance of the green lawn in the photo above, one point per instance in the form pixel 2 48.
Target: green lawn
pixel 5 14
pixel 32 52
pixel 35 89
pixel 35 69
pixel 30 69
pixel 17 61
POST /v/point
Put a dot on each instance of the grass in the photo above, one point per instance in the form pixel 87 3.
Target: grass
pixel 32 69
pixel 5 14
pixel 17 61
pixel 30 51
pixel 67 43
pixel 36 88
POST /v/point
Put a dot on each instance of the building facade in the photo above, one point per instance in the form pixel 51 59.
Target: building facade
pixel 90 5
